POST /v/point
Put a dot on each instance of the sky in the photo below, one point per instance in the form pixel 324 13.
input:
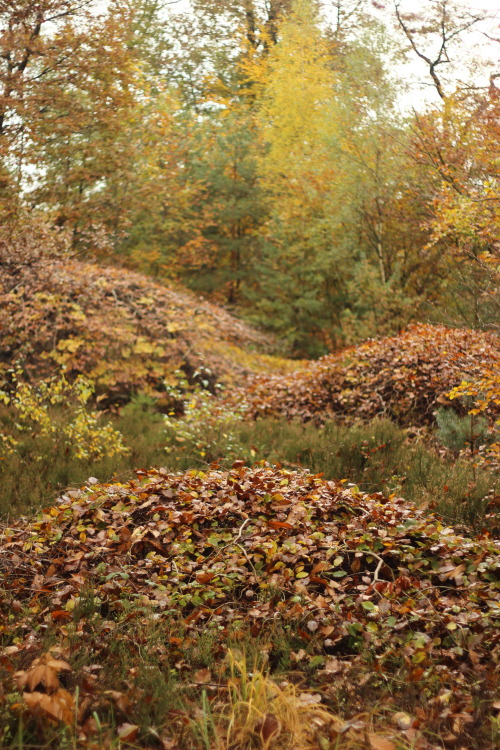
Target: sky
pixel 474 47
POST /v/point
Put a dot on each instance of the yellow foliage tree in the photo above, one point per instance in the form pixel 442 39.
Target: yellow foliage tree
pixel 301 174
pixel 296 107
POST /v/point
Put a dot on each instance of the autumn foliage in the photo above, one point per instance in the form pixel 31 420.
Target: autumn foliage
pixel 122 330
pixel 156 164
pixel 373 583
pixel 404 377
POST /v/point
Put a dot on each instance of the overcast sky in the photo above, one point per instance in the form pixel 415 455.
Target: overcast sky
pixel 475 46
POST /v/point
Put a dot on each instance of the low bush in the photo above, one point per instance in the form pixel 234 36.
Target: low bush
pixel 193 610
pixel 378 456
pixel 36 465
pixel 58 411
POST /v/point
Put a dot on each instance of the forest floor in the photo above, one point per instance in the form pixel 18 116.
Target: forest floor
pixel 312 563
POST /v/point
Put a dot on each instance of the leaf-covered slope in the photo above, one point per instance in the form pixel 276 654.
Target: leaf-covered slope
pixel 124 330
pixel 404 377
pixel 355 573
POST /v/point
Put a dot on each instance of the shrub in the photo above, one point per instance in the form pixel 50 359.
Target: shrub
pixel 457 432
pixel 70 424
pixel 208 426
pixel 50 439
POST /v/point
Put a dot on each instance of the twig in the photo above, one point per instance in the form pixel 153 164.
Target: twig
pixel 246 557
pixel 377 569
pixel 238 536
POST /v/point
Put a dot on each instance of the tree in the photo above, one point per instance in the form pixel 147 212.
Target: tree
pixel 386 192
pixel 434 31
pixel 260 20
pixel 38 49
pixel 458 143
pixel 301 277
pixel 162 200
pixel 225 162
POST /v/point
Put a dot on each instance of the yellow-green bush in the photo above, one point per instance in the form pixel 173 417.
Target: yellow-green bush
pixel 58 410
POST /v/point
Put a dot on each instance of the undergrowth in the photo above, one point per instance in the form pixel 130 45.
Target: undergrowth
pixel 153 685
pixel 377 456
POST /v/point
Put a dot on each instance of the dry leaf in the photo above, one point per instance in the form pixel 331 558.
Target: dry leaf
pixel 43 671
pixel 59 706
pixel 89 727
pixel 333 666
pixel 269 728
pixel 10 650
pixel 380 743
pixel 310 699
pixel 403 720
pixel 120 700
pixel 61 614
pixel 203 675
pixel 128 732
pixel 204 577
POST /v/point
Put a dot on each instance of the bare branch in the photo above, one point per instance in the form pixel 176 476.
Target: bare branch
pixel 432 64
pixel 446 35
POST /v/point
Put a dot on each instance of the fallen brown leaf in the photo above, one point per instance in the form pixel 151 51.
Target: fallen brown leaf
pixel 380 743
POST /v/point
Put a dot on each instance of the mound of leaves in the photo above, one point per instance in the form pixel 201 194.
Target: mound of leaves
pixel 371 588
pixel 404 377
pixel 121 329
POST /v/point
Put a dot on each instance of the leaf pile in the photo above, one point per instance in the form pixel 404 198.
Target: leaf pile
pixel 404 377
pixel 372 585
pixel 123 330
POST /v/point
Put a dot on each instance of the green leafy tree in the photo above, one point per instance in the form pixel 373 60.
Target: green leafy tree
pixel 226 164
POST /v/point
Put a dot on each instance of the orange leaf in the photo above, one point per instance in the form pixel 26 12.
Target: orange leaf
pixel 128 732
pixel 280 525
pixel 59 706
pixel 61 614
pixel 380 743
pixel 204 577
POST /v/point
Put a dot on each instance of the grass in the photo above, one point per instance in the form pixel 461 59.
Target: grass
pixel 149 677
pixel 39 470
pixel 144 676
pixel 219 690
pixel 378 456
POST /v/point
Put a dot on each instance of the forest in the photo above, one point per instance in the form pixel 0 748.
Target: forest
pixel 249 374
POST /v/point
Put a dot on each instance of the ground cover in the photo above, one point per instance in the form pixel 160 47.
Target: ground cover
pixel 238 604
pixel 357 597
pixel 124 331
pixel 378 456
pixel 406 378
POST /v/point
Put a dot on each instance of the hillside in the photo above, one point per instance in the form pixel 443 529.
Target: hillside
pixel 361 596
pixel 405 378
pixel 122 329
pixel 145 612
